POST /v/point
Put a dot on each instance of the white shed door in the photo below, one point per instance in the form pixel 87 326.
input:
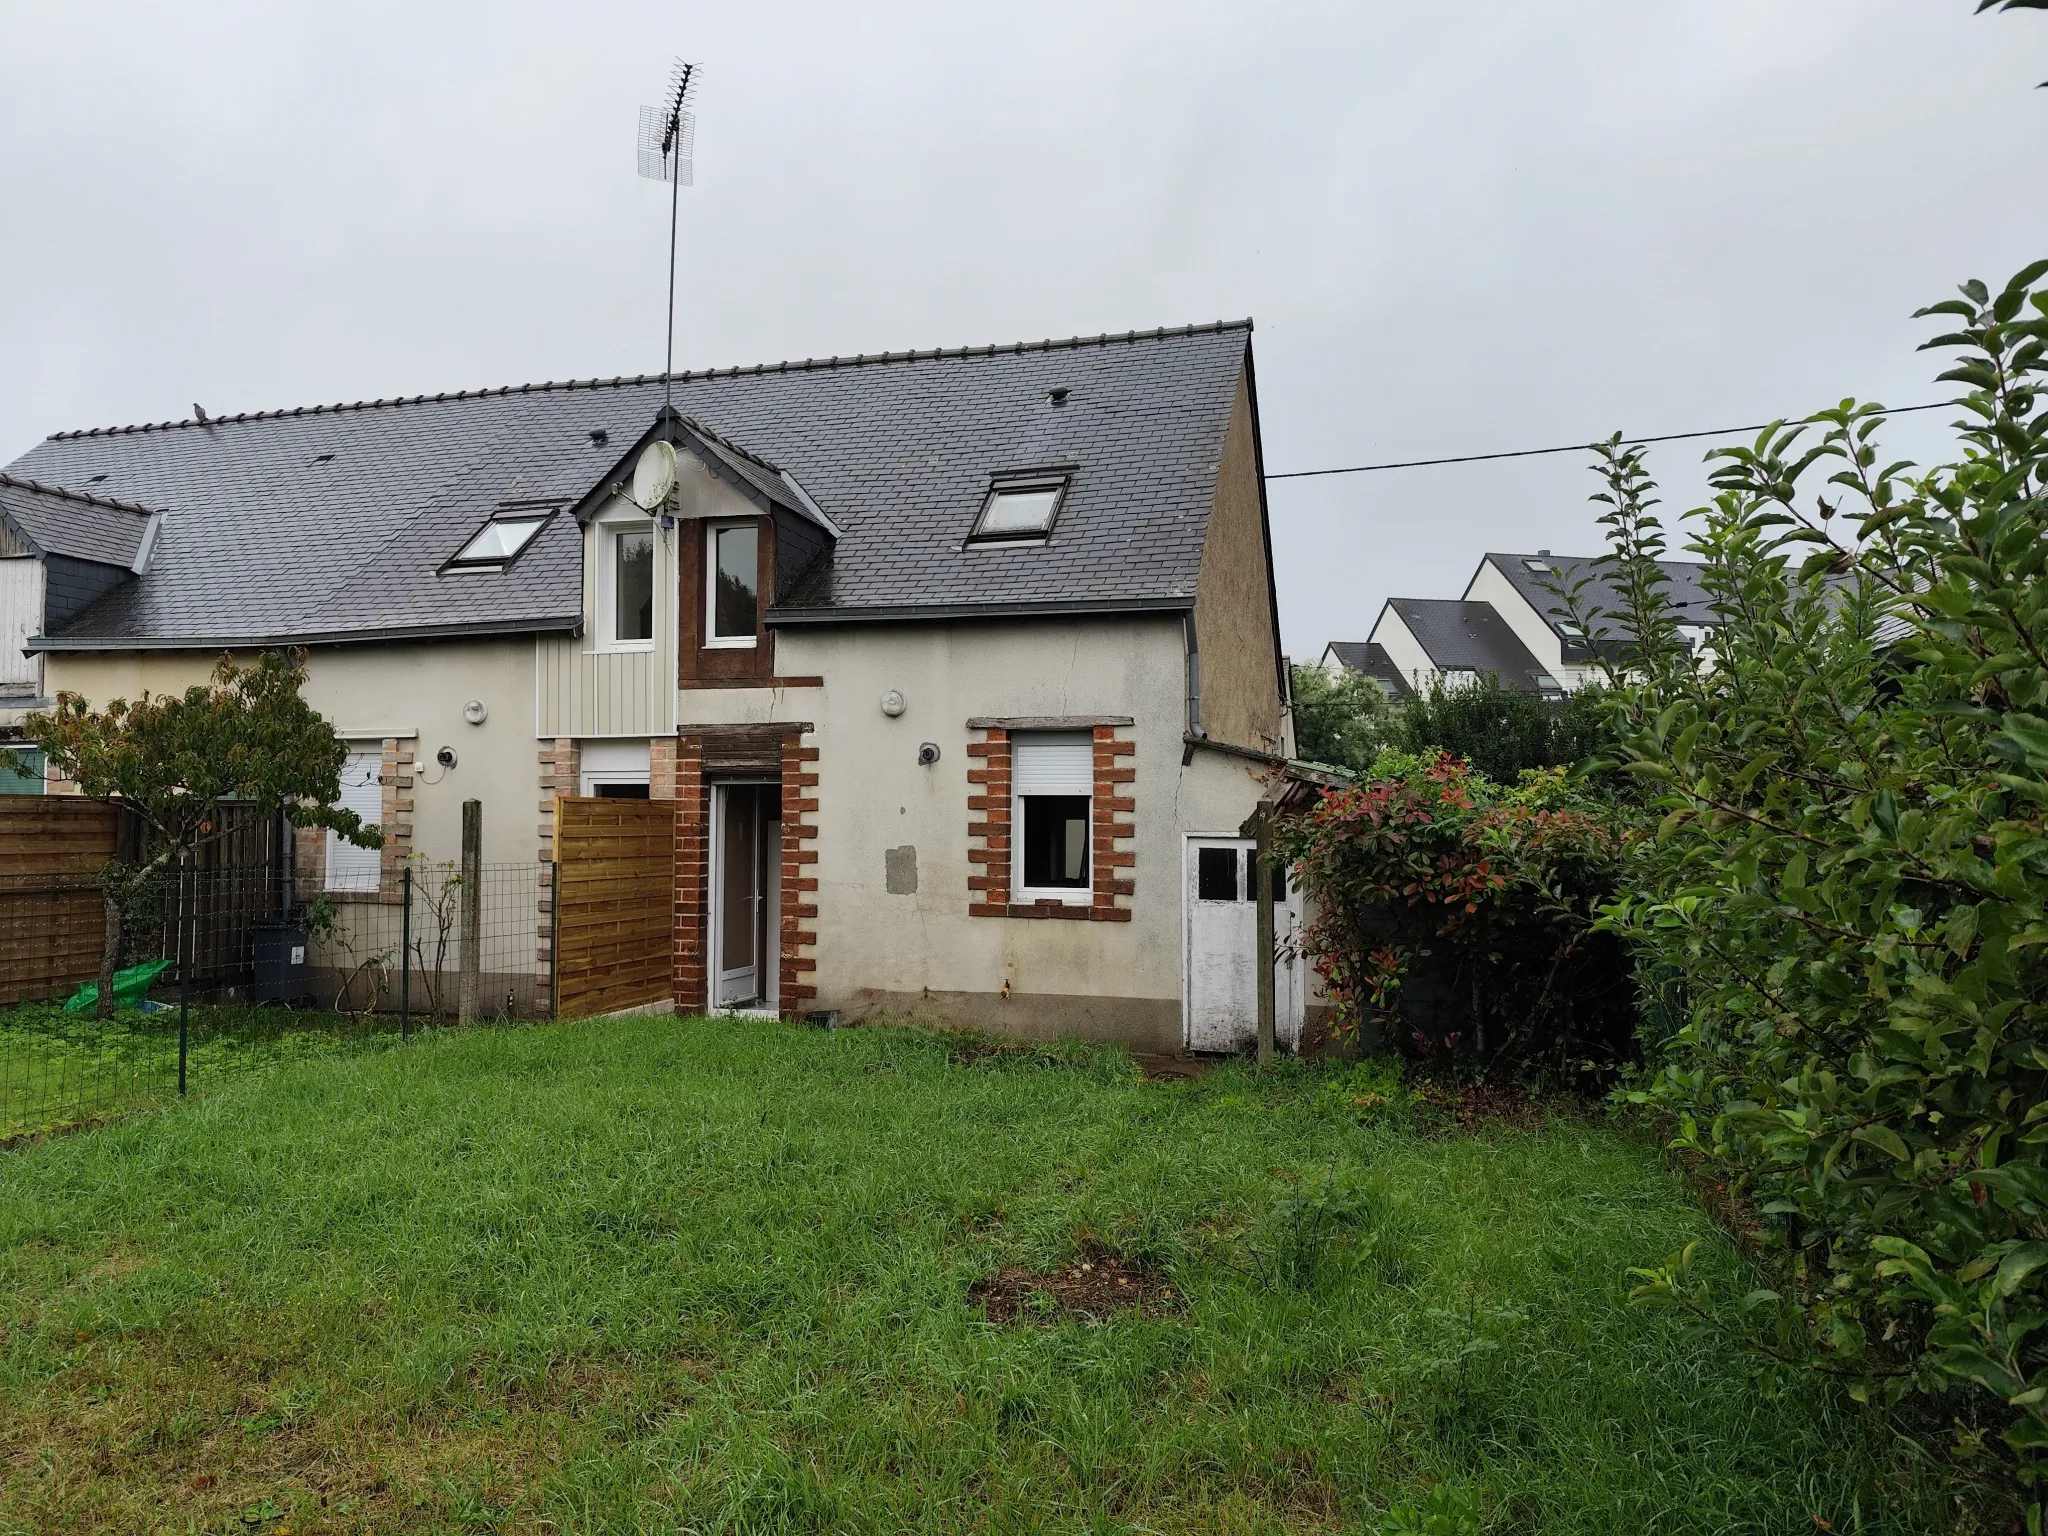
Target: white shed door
pixel 350 868
pixel 21 615
pixel 1222 949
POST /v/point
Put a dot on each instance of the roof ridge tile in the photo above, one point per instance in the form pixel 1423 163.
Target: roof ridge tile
pixel 23 483
pixel 863 360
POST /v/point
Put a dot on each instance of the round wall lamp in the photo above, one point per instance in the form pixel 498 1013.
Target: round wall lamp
pixel 893 704
pixel 474 712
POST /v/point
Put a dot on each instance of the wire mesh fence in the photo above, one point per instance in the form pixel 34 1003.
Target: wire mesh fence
pixel 224 969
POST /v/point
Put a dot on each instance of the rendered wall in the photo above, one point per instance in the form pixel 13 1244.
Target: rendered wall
pixel 1234 616
pixel 372 692
pixel 919 951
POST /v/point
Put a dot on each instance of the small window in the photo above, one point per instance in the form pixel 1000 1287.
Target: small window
pixel 497 543
pixel 1017 511
pixel 1052 776
pixel 1536 565
pixel 1570 631
pixel 633 584
pixel 1216 874
pixel 735 584
pixel 611 791
pixel 1056 842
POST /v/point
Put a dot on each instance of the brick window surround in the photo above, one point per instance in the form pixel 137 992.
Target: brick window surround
pixel 684 772
pixel 394 819
pixel 989 801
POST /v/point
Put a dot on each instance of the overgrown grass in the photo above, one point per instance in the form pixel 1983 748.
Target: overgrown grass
pixel 59 1070
pixel 659 1275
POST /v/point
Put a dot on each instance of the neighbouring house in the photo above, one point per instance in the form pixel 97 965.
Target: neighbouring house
pixel 1511 623
pixel 60 551
pixel 1371 660
pixel 960 668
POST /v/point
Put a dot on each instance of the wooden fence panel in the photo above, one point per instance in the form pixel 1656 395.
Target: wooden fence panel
pixel 52 919
pixel 615 904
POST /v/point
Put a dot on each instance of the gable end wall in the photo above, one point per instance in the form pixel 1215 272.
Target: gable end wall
pixel 1234 618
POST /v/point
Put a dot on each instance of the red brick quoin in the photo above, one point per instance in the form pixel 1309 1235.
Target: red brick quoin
pixel 988 825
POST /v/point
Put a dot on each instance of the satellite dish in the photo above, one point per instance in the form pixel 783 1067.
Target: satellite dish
pixel 654 476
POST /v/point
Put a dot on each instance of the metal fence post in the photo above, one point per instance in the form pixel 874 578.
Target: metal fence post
pixel 472 909
pixel 405 953
pixel 184 974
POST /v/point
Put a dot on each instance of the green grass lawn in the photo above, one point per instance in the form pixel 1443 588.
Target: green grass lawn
pixel 661 1275
pixel 59 1070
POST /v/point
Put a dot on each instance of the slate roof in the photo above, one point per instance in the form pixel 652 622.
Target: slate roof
pixel 75 523
pixel 1464 636
pixel 1689 598
pixel 331 522
pixel 1371 658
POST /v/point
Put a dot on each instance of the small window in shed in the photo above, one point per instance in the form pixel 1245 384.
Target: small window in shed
pixel 1216 874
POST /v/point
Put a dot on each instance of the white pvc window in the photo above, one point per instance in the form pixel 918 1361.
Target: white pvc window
pixel 732 587
pixel 1052 780
pixel 350 868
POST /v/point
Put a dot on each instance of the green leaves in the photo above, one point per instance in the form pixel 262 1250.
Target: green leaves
pixel 1848 881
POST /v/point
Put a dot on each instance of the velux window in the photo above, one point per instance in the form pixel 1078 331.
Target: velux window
pixel 1019 511
pixel 732 569
pixel 499 542
pixel 1052 776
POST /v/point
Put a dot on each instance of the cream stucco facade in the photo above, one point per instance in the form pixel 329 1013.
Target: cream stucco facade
pixel 372 693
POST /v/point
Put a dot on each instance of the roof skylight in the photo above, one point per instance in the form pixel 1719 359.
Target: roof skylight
pixel 1019 511
pixel 499 542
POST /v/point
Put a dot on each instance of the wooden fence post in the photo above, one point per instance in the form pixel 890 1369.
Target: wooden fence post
pixel 472 909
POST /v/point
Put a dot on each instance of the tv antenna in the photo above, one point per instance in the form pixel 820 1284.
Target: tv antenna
pixel 668 139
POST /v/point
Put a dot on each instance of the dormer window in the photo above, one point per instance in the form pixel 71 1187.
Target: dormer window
pixel 733 586
pixel 1019 511
pixel 499 542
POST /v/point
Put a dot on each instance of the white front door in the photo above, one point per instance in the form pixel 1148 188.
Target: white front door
pixel 1222 949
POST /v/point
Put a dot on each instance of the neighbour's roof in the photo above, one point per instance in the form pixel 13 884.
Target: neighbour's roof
pixel 1534 576
pixel 1371 658
pixel 75 523
pixel 1462 636
pixel 331 522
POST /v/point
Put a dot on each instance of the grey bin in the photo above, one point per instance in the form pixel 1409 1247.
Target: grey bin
pixel 282 974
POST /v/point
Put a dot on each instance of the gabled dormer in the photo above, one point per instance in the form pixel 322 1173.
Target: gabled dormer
pixel 61 551
pixel 676 595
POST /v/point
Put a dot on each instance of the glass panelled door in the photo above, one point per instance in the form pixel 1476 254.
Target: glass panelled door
pixel 747 839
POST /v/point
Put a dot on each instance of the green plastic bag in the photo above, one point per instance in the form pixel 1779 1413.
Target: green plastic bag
pixel 130 986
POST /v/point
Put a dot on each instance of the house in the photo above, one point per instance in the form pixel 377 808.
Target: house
pixel 1523 590
pixel 60 550
pixel 961 667
pixel 1370 659
pixel 1512 623
pixel 1457 641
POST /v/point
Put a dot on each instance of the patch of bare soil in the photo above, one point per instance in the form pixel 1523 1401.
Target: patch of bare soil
pixel 1493 1103
pixel 1096 1285
pixel 1171 1069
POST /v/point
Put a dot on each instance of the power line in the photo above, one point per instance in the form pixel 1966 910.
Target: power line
pixel 1530 453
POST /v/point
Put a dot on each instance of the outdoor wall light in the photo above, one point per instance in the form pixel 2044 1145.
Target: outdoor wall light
pixel 893 704
pixel 474 712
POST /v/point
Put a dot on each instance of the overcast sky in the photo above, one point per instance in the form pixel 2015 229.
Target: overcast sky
pixel 1459 228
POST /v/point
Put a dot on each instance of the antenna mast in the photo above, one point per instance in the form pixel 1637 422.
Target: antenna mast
pixel 668 137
